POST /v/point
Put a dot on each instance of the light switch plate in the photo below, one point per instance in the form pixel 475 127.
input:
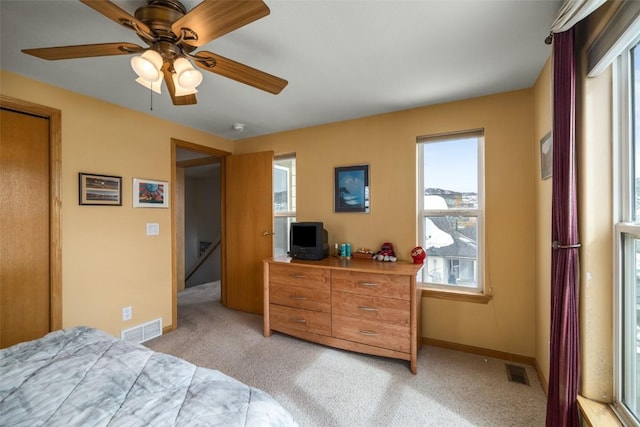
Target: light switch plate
pixel 153 229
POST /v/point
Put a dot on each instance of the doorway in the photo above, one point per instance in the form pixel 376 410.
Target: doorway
pixel 196 216
pixel 200 209
pixel 247 218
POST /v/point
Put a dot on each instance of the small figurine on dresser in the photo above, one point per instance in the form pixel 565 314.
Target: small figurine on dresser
pixel 418 254
pixel 385 253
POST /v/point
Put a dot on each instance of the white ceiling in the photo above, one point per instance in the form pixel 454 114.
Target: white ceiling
pixel 343 58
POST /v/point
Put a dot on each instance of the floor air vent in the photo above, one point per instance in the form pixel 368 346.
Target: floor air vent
pixel 517 374
pixel 143 332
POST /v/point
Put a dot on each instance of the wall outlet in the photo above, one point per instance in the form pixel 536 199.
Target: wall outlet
pixel 127 313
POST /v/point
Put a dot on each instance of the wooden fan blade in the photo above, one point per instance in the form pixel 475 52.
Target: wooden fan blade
pixel 177 100
pixel 213 18
pixel 116 14
pixel 241 73
pixel 84 50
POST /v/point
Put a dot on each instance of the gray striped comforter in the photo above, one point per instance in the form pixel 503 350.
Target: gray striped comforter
pixel 85 377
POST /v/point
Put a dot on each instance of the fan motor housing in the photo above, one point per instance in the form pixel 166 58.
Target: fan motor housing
pixel 159 15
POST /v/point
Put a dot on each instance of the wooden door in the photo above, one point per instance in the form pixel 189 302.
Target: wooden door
pixel 248 228
pixel 25 292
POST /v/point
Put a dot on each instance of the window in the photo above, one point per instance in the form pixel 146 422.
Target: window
pixel 451 207
pixel 627 252
pixel 284 201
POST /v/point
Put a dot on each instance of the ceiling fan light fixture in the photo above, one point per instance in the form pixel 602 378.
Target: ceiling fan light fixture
pixel 173 33
pixel 188 77
pixel 148 65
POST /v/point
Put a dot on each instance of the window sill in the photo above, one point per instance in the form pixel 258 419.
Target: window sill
pixel 597 413
pixel 456 295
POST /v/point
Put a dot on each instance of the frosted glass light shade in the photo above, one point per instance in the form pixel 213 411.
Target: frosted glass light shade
pixel 154 86
pixel 188 77
pixel 181 91
pixel 147 65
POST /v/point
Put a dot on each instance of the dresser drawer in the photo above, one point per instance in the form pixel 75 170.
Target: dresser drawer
pixel 374 284
pixel 372 333
pixel 283 318
pixel 300 297
pixel 386 310
pixel 291 274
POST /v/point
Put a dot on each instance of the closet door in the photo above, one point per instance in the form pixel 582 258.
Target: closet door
pixel 24 227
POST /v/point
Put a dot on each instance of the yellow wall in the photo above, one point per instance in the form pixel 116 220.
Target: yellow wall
pixel 543 122
pixel 107 260
pixel 388 144
pixel 596 267
pixel 594 135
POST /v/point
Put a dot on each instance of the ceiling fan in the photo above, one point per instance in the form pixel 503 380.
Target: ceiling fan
pixel 172 35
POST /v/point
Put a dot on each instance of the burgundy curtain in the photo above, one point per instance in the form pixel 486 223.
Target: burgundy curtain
pixel 564 372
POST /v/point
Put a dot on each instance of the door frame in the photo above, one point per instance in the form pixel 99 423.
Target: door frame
pixel 55 198
pixel 175 144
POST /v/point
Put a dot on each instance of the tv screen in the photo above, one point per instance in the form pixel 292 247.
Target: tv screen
pixel 308 240
pixel 304 235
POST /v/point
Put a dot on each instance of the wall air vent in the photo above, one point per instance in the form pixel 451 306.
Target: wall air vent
pixel 143 332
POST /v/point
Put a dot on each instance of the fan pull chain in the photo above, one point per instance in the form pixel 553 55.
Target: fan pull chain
pixel 151 98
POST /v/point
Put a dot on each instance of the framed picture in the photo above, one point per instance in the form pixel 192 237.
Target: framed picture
pixel 104 190
pixel 351 193
pixel 546 156
pixel 150 194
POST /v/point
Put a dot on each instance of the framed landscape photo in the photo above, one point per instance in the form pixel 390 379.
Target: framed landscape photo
pixel 104 190
pixel 351 192
pixel 546 156
pixel 150 194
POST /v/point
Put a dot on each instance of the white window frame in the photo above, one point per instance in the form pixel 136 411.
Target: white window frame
pixel 627 226
pixel 288 172
pixel 291 196
pixel 464 212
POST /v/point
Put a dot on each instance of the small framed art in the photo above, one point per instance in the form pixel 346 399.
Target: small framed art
pixel 150 194
pixel 546 156
pixel 103 190
pixel 351 192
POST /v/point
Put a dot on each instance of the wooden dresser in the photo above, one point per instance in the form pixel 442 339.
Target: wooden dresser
pixel 360 305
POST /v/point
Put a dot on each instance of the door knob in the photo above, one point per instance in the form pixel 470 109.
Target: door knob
pixel 268 233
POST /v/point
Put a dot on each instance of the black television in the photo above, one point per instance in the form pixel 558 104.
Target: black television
pixel 308 240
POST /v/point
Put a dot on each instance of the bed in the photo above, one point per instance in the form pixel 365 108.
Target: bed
pixel 83 376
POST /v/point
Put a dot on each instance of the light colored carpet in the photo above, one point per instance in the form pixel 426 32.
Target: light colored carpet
pixel 322 386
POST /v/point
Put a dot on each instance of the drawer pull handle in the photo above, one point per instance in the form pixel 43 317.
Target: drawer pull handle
pixel 299 320
pixel 364 308
pixel 297 276
pixel 368 333
pixel 298 298
pixel 368 284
